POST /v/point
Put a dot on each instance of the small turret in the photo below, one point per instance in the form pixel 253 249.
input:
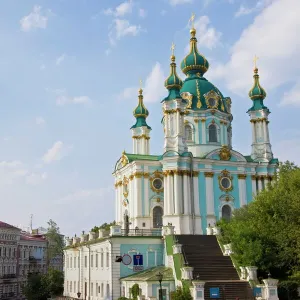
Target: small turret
pixel 141 130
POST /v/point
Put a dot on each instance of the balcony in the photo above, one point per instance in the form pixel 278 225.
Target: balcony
pixel 8 276
pixel 8 296
pixel 141 232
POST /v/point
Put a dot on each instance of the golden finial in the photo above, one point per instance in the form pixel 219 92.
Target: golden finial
pixel 255 63
pixel 172 51
pixel 141 87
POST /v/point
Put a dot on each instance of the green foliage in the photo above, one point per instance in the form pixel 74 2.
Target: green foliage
pixel 135 291
pixel 123 298
pixel 266 233
pixel 43 286
pixel 55 240
pixel 288 290
pixel 105 226
pixel 182 293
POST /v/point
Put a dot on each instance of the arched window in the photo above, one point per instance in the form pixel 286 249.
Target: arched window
pixel 226 212
pixel 157 216
pixel 188 133
pixel 212 133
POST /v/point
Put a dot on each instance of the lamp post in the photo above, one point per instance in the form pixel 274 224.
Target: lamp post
pixel 159 278
pixel 78 295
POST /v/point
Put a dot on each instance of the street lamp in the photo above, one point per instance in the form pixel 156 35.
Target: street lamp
pixel 159 278
pixel 78 295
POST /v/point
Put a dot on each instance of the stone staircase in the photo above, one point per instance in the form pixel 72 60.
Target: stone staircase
pixel 203 253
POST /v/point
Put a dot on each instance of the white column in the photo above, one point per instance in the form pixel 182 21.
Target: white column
pixel 253 132
pixel 209 194
pixel 177 193
pixel 225 135
pixel 133 145
pixel 171 195
pixel 222 141
pixel 120 203
pixel 146 193
pixel 203 132
pixel 264 123
pixel 253 180
pixel 196 195
pixel 242 189
pixel 138 181
pixel 166 195
pixel 117 203
pixel 185 194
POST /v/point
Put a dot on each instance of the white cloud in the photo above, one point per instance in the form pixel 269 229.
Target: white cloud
pixel 292 97
pixel 142 13
pixel 79 195
pixel 154 90
pixel 56 152
pixel 63 100
pixel 40 121
pixel 123 28
pixel 243 10
pixel 60 59
pixel 178 2
pixel 34 20
pixel 273 36
pixel 36 178
pixel 287 149
pixel 121 10
pixel 207 36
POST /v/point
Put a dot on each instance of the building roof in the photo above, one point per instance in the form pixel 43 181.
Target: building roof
pixel 151 275
pixel 25 236
pixel 5 225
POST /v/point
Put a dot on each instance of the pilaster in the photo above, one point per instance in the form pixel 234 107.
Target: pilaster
pixel 242 189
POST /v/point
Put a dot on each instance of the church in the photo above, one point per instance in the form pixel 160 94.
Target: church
pixel 168 205
pixel 198 178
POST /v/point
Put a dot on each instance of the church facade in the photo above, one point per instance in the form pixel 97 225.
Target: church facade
pixel 198 178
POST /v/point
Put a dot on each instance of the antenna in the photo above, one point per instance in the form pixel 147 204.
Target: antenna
pixel 31 216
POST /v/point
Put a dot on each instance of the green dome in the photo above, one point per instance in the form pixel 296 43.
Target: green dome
pixel 173 81
pixel 194 62
pixel 141 113
pixel 257 92
pixel 202 94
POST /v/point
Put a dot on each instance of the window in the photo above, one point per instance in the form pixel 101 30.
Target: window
pixel 92 286
pixel 70 286
pixel 92 261
pixel 74 262
pixel 226 212
pixel 212 133
pixel 107 290
pixel 0 251
pixel 74 286
pixel 102 258
pixel 9 252
pixel 96 289
pixel 78 261
pixel 188 133
pixel 70 262
pixel 157 216
pixel 107 259
pixel 97 260
pixel 67 286
pixel 102 287
pixel 99 289
pixel 85 261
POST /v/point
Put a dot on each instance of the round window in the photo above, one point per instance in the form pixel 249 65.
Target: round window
pixel 212 102
pixel 225 183
pixel 157 183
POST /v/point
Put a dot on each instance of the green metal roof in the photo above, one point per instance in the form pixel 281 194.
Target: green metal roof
pixel 133 157
pixel 150 274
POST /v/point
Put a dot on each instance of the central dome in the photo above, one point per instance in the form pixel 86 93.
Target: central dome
pixel 202 94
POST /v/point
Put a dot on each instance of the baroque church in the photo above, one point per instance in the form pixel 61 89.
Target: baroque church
pixel 198 178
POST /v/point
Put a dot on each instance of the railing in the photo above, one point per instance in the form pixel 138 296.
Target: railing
pixel 141 232
pixel 8 276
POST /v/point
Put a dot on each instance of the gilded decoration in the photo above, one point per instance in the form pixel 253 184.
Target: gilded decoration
pixel 157 182
pixel 224 153
pixel 188 97
pixel 242 176
pixel 212 99
pixel 143 136
pixel 258 120
pixel 124 159
pixel 225 181
pixel 196 120
pixel 199 105
pixel 253 177
pixel 209 174
pixel 228 104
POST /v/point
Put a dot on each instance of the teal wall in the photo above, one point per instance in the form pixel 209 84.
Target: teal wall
pixel 141 249
pixel 202 199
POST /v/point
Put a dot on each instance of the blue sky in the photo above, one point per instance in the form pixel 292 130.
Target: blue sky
pixel 68 84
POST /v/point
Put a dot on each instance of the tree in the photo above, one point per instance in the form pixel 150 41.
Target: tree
pixel 182 293
pixel 266 233
pixel 105 226
pixel 55 240
pixel 35 287
pixel 55 282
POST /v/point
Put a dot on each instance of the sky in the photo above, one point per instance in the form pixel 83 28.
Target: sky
pixel 69 79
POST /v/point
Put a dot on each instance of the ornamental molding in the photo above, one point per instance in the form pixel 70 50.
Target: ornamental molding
pixel 259 120
pixel 225 174
pixel 173 111
pixel 242 176
pixel 209 174
pixel 224 153
pixel 143 136
pixel 156 175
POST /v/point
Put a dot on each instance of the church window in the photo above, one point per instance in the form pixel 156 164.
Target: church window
pixel 157 216
pixel 225 183
pixel 188 133
pixel 157 183
pixel 226 212
pixel 212 133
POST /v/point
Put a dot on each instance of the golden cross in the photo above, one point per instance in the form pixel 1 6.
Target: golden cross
pixel 192 19
pixel 255 61
pixel 173 48
pixel 141 83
